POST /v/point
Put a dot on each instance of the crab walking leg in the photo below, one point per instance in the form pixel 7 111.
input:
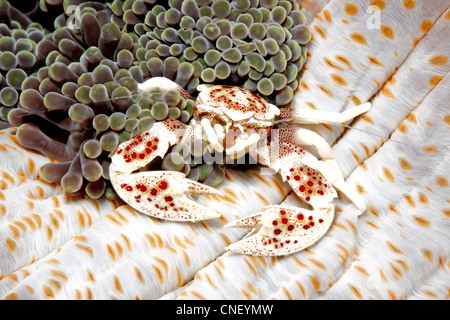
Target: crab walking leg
pixel 162 84
pixel 327 166
pixel 281 230
pixel 333 174
pixel 211 136
pixel 308 116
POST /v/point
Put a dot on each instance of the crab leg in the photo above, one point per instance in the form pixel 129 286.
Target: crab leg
pixel 327 166
pixel 163 84
pixel 308 116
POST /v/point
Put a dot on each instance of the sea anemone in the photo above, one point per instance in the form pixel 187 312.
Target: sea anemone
pixel 72 92
pixel 396 157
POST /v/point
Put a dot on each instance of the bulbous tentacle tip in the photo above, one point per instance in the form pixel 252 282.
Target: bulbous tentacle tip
pixel 164 195
pixel 282 230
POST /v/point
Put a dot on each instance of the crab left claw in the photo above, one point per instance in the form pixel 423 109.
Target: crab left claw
pixel 161 194
pixel 164 194
pixel 281 230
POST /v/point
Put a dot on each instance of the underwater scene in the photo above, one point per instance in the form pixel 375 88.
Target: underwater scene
pixel 225 150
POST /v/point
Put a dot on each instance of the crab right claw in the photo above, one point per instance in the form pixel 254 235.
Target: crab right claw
pixel 163 194
pixel 282 230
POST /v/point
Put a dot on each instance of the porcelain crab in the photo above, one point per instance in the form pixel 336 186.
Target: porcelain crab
pixel 233 120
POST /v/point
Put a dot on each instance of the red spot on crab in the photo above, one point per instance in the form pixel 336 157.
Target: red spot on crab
pixel 290 227
pixel 163 185
pixel 141 187
pixel 154 192
pixel 302 188
pixel 277 232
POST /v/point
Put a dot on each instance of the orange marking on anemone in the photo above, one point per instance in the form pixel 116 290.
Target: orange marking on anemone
pixel 339 79
pixel 387 92
pixel 404 164
pixel 421 221
pixel 447 15
pixel 387 31
pixel 442 181
pixel 426 26
pixel 351 9
pixel 327 15
pixel 434 80
pixel 11 244
pixel 359 38
pixel 379 3
pixel 325 90
pixel 344 60
pixel 439 60
pixel 375 61
pixel 320 32
pixel 388 174
pixel 409 4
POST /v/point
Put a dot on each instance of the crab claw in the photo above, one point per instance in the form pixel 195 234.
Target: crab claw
pixel 162 194
pixel 282 230
pixel 308 183
pixel 139 151
pixel 143 148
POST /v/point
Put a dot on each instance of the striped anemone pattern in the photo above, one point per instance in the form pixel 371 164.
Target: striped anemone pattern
pixel 394 54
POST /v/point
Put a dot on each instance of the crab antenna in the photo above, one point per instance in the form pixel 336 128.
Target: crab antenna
pixel 377 135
